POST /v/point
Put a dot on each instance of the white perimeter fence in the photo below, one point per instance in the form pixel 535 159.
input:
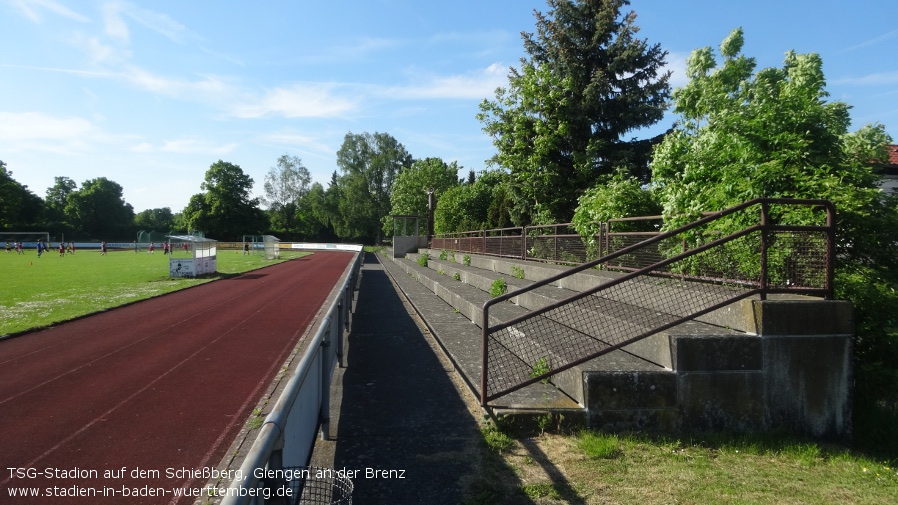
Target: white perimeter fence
pixel 287 437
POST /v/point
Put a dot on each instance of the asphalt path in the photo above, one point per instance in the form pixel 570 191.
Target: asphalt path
pixel 146 398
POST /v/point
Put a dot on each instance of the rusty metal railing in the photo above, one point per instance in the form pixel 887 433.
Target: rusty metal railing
pixel 555 243
pixel 699 268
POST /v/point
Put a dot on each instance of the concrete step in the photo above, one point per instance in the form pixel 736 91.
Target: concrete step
pixel 468 300
pixel 461 340
pixel 609 319
pixel 626 387
pixel 670 295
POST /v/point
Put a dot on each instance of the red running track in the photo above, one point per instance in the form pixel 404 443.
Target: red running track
pixel 161 385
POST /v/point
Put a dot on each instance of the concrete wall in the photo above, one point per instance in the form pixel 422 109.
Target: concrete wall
pixel 793 375
pixel 405 245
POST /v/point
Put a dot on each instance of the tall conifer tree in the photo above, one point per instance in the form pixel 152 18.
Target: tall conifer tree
pixel 586 83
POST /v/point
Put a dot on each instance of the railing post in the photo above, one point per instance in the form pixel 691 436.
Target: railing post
pixel 830 251
pixel 524 243
pixel 555 245
pixel 484 355
pixel 334 332
pixel 764 244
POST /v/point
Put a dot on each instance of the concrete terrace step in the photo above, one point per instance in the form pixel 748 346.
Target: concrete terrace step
pixel 631 387
pixel 615 318
pixel 461 339
pixel 468 300
pixel 670 296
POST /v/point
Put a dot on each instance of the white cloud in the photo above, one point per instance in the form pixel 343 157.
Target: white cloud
pixel 25 126
pixel 115 26
pixel 192 145
pixel 185 145
pixel 298 141
pixel 872 42
pixel 32 10
pixel 476 85
pixel 162 24
pixel 676 63
pixel 876 79
pixel 300 100
pixel 98 52
pixel 114 13
pixel 205 89
pixel 40 132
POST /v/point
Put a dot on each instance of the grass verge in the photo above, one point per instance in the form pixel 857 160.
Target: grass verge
pixel 39 292
pixel 590 467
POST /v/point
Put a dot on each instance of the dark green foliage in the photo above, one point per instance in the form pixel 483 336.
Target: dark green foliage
pixel 745 134
pixel 98 211
pixel 155 219
pixel 586 83
pixel 409 193
pixel 369 164
pixel 226 210
pixel 19 207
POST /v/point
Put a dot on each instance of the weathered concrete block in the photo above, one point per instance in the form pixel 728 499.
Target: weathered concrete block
pixel 630 390
pixel 800 317
pixel 706 353
pixel 731 401
pixel 653 420
pixel 808 384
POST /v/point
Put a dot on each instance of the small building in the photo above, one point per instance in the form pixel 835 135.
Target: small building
pixel 192 256
pixel 890 171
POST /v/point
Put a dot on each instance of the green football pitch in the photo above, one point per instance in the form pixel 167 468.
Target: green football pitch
pixel 38 292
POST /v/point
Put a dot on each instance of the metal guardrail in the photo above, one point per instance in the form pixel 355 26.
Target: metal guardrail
pixel 286 438
pixel 770 256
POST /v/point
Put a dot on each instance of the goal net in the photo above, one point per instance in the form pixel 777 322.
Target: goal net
pixel 29 239
pixel 262 245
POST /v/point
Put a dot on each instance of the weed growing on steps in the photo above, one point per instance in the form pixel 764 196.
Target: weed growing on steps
pixel 499 287
pixel 423 259
pixel 517 272
pixel 444 254
pixel 467 260
pixel 541 367
pixel 456 276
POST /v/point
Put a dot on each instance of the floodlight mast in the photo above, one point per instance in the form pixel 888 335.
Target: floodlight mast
pixel 431 205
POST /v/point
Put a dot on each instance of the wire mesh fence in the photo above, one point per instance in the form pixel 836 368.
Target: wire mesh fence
pixel 676 276
pixel 320 486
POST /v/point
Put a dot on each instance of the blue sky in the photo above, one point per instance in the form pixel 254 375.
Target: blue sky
pixel 150 94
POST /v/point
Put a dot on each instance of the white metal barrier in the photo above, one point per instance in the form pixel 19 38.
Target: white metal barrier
pixel 287 436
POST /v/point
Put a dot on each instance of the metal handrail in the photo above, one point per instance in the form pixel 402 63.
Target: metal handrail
pixel 763 288
pixel 325 349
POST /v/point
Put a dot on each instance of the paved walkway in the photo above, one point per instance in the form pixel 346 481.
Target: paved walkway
pixel 399 419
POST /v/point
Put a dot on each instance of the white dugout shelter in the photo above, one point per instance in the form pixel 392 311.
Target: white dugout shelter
pixel 201 257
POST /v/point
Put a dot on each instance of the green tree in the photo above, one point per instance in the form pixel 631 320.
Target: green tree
pixel 226 209
pixel 98 210
pixel 56 197
pixel 19 207
pixel 587 82
pixel 409 192
pixel 369 165
pixel 613 197
pixel 481 204
pixel 285 186
pixel 310 217
pixel 155 219
pixel 745 134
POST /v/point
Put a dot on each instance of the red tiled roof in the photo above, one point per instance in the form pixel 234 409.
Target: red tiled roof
pixel 893 155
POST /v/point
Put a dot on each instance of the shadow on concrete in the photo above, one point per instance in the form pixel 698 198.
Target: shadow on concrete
pixel 398 422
